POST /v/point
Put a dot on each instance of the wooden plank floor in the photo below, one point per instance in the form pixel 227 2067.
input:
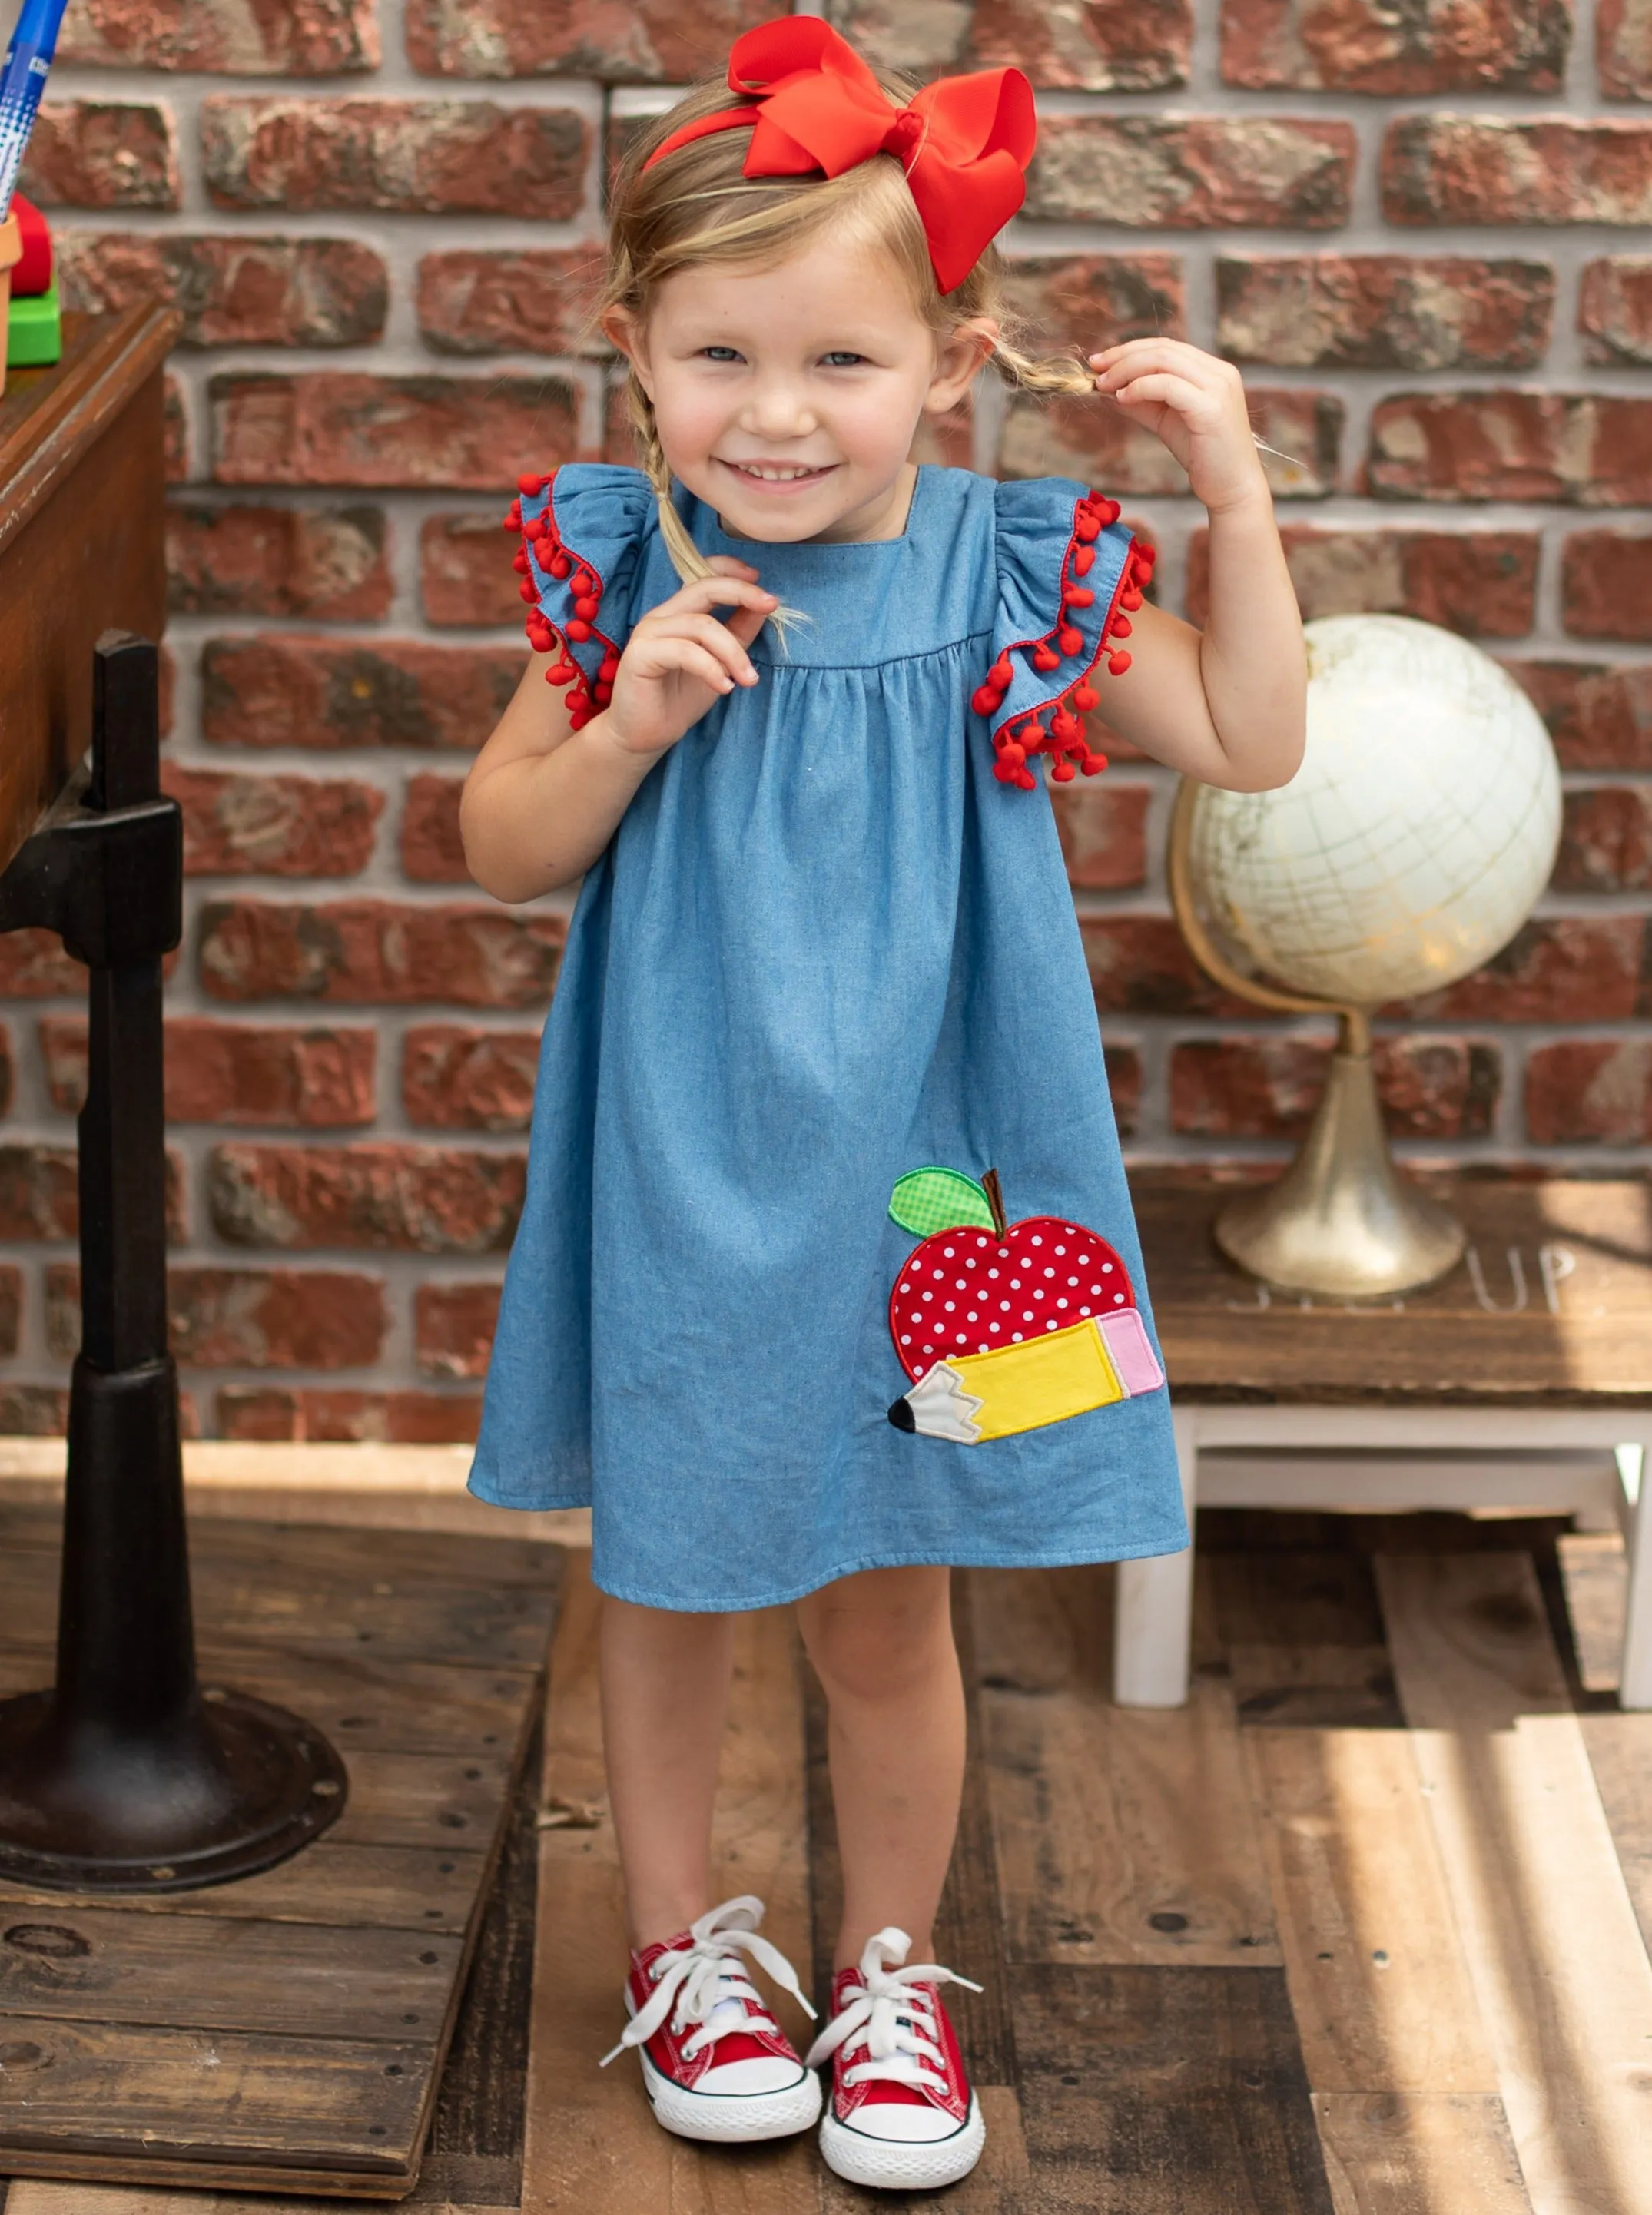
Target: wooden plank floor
pixel 291 2027
pixel 1360 1931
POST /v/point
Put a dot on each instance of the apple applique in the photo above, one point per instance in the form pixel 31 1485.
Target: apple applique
pixel 1004 1326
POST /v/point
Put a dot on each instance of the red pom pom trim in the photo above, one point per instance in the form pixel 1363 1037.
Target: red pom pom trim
pixel 542 540
pixel 1066 742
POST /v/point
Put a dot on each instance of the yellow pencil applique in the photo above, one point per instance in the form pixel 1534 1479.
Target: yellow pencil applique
pixel 1006 1326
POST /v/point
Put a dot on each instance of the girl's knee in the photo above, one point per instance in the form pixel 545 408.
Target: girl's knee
pixel 875 1635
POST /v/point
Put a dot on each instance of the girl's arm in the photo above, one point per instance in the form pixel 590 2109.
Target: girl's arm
pixel 543 800
pixel 1226 705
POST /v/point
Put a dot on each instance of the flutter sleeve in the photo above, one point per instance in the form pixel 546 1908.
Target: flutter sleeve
pixel 582 529
pixel 1069 578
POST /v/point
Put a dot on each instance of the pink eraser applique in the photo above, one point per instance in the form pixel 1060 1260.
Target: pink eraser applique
pixel 1131 1350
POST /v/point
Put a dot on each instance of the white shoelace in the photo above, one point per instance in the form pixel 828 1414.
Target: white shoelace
pixel 892 2018
pixel 707 1983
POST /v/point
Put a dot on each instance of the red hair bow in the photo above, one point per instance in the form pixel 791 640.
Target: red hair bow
pixel 964 143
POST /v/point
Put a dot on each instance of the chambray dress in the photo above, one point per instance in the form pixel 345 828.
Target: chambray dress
pixel 825 947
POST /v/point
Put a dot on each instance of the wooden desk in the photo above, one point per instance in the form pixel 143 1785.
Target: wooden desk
pixel 81 540
pixel 1522 1382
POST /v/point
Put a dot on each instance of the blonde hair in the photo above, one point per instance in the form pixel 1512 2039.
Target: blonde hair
pixel 698 208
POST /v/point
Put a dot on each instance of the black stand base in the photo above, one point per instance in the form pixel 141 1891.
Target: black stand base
pixel 130 1775
pixel 238 1787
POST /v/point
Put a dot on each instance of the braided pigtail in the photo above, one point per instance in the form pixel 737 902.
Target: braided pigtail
pixel 685 556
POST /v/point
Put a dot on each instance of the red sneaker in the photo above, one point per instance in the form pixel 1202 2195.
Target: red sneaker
pixel 902 2116
pixel 721 2067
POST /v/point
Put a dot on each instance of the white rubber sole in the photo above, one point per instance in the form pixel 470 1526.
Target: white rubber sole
pixel 733 2118
pixel 897 2165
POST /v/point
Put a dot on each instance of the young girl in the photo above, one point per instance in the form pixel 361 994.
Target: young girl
pixel 826 1280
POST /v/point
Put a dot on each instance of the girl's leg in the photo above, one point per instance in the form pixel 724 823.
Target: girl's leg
pixel 664 1692
pixel 881 1644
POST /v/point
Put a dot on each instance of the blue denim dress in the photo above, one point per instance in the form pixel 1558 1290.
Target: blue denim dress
pixel 828 948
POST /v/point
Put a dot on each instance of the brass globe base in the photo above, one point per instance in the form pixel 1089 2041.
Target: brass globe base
pixel 1342 1221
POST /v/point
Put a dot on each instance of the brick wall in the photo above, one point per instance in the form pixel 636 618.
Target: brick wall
pixel 1417 229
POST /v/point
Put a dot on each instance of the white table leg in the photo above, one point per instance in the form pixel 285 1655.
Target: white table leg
pixel 1635 1678
pixel 1152 1626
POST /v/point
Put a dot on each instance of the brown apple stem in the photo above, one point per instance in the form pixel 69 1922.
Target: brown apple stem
pixel 994 1192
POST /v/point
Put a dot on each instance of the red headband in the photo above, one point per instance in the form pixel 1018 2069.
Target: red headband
pixel 964 143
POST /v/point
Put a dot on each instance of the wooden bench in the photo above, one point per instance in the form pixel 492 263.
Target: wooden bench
pixel 1523 1383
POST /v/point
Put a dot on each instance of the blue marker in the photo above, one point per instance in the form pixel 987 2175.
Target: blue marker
pixel 21 83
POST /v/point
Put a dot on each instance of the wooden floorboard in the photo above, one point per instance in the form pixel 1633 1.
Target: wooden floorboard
pixel 1123 1835
pixel 1165 2091
pixel 1562 1978
pixel 288 2030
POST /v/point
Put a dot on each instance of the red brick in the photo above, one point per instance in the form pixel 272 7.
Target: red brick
pixel 651 41
pixel 1623 48
pixel 1483 583
pixel 174 433
pixel 1384 311
pixel 1093 440
pixel 326 563
pixel 453 1329
pixel 34 1411
pixel 1589 1091
pixel 400 156
pixel 102 154
pixel 265 1078
pixel 401 1199
pixel 433 853
pixel 454 1079
pixel 465 571
pixel 1124 1082
pixel 1607 843
pixel 34 966
pixel 1614 311
pixel 301 1413
pixel 1499 169
pixel 233 291
pixel 1583 447
pixel 340 427
pixel 1367 45
pixel 1558 969
pixel 1607 584
pixel 326 693
pixel 532 300
pixel 1144 48
pixel 1139 965
pixel 6 1072
pixel 276 1318
pixel 371 952
pixel 11 1308
pixel 1086 301
pixel 1599 717
pixel 1197 173
pixel 228 38
pixel 273 827
pixel 40 1196
pixel 1268 1088
pixel 1104 831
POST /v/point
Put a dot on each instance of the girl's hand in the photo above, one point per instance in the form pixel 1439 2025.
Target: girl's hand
pixel 681 658
pixel 1196 404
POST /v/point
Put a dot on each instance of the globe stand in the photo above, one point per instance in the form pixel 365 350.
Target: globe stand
pixel 1342 1221
pixel 129 1775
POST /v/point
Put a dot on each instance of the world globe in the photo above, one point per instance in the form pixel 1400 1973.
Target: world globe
pixel 1414 840
pixel 1407 850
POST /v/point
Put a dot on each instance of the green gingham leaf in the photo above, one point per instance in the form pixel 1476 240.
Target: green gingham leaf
pixel 924 1201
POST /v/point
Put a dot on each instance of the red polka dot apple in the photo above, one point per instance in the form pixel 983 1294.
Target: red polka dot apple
pixel 1004 1327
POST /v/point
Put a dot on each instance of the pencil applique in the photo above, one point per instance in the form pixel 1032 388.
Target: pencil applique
pixel 1006 1326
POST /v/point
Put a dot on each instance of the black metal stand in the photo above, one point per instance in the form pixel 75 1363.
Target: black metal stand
pixel 130 1775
